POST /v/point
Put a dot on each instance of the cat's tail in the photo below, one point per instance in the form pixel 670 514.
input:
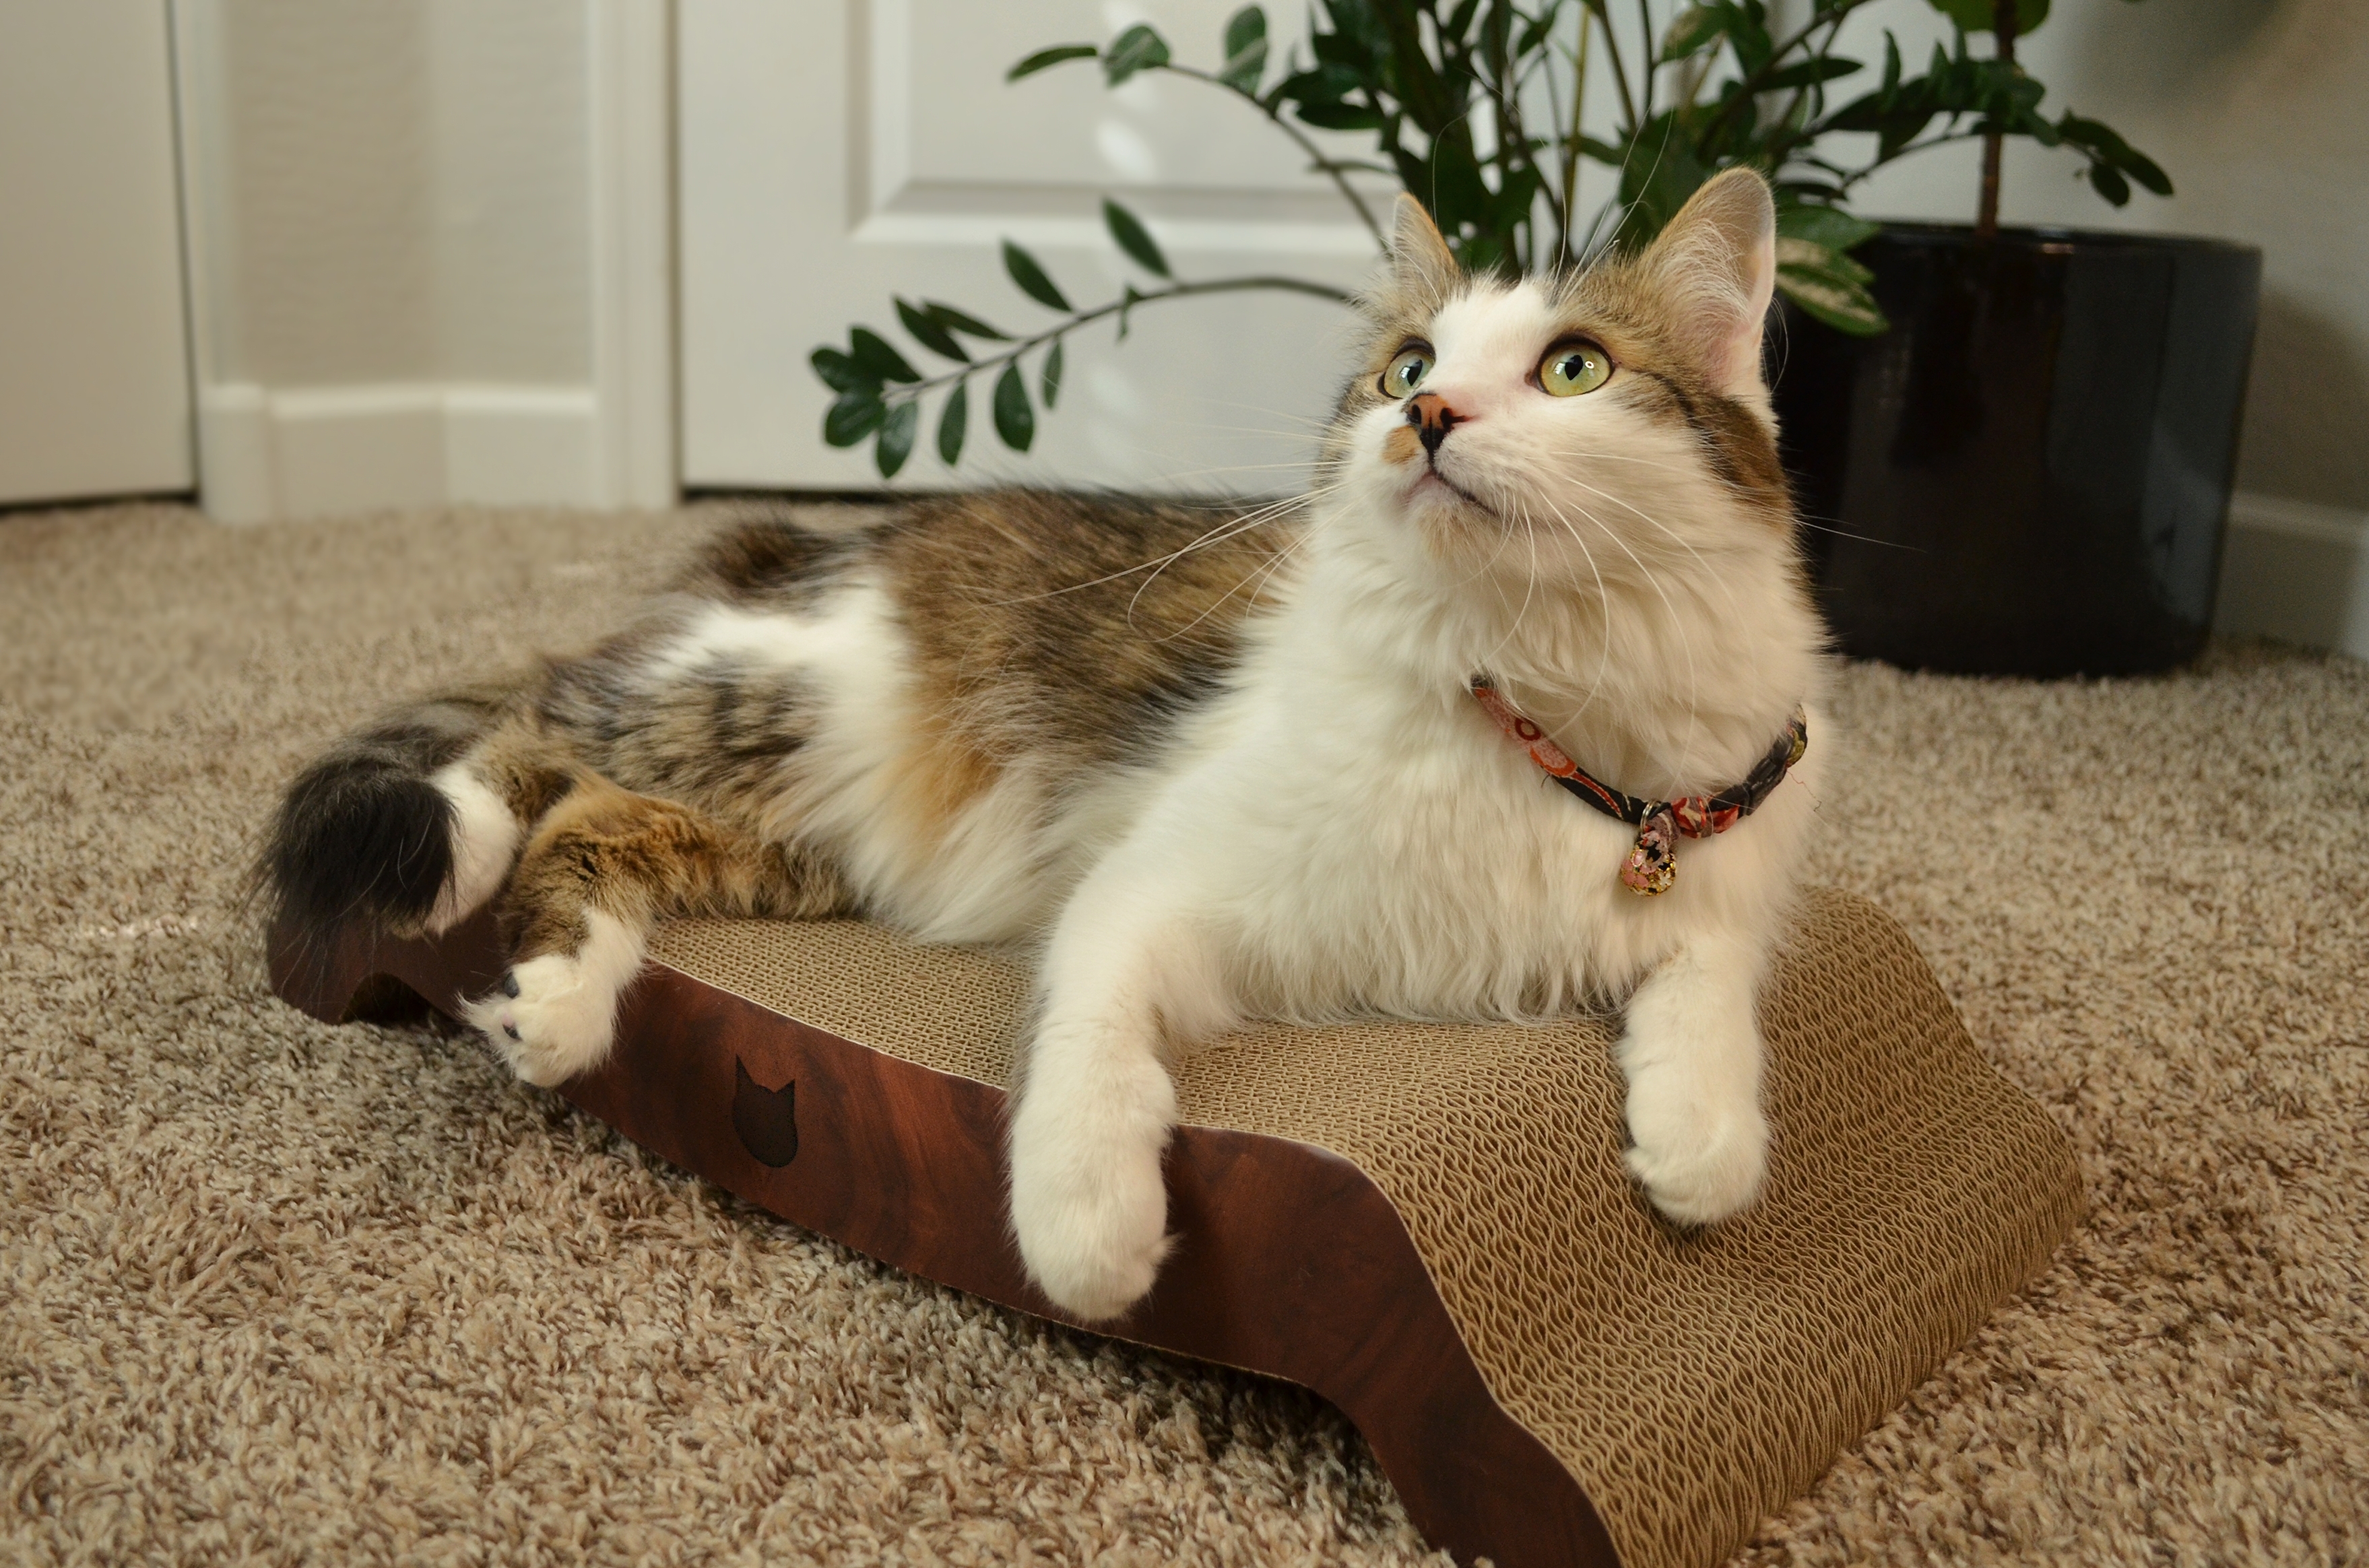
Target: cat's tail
pixel 390 826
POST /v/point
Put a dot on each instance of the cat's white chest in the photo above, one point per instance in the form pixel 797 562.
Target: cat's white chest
pixel 1402 858
pixel 1380 845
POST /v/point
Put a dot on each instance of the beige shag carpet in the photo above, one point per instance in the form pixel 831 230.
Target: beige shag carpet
pixel 274 1291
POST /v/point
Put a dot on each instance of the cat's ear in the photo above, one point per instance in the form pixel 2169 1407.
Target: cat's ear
pixel 1715 270
pixel 1421 264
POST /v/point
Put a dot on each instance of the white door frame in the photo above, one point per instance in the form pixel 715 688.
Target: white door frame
pixel 610 440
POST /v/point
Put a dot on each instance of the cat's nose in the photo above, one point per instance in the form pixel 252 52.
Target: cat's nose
pixel 1428 412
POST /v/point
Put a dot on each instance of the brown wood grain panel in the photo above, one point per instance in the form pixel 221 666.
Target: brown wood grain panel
pixel 1289 1261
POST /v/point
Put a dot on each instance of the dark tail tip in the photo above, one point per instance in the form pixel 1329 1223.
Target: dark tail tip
pixel 362 833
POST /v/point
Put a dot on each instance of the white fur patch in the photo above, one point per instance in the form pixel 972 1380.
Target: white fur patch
pixel 1692 1056
pixel 853 789
pixel 1124 985
pixel 485 842
pixel 563 1016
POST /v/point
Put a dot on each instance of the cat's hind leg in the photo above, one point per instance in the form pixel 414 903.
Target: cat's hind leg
pixel 596 872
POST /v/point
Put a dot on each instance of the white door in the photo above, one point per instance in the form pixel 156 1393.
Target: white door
pixel 94 362
pixel 833 154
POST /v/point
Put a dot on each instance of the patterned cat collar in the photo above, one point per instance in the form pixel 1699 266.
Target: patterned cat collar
pixel 1653 864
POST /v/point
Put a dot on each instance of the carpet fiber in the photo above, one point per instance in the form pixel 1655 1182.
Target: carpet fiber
pixel 271 1291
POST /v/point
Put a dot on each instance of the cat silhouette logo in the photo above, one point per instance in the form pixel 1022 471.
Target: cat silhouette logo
pixel 766 1119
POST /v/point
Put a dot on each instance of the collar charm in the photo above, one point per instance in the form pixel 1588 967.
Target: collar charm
pixel 1653 863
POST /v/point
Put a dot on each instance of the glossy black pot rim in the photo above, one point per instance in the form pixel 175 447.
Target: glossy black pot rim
pixel 2048 241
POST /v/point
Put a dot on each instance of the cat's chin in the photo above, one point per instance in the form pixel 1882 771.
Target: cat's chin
pixel 1433 499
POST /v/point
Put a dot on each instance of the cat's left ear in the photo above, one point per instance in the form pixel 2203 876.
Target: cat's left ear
pixel 1421 264
pixel 1715 269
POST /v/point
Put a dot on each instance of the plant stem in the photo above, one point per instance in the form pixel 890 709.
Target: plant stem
pixel 1776 61
pixel 1571 148
pixel 1651 64
pixel 1315 154
pixel 1126 302
pixel 1994 138
pixel 1619 71
pixel 1845 182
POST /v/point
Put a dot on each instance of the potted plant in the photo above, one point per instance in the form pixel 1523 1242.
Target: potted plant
pixel 1479 106
pixel 2030 474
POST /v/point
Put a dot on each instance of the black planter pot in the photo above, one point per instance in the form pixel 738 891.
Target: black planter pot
pixel 2030 472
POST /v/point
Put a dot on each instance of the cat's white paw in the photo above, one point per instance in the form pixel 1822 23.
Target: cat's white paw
pixel 1700 1156
pixel 549 1018
pixel 1089 1204
pixel 554 1017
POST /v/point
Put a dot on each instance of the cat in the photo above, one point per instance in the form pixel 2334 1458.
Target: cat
pixel 1369 752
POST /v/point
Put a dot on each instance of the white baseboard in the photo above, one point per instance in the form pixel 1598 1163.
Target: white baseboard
pixel 2296 571
pixel 265 454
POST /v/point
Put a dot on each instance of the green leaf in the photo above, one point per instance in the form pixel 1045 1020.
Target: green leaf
pixel 1031 277
pixel 952 423
pixel 1807 74
pixel 1050 388
pixel 2143 169
pixel 839 373
pixel 896 443
pixel 1458 194
pixel 2110 184
pixel 1053 56
pixel 1325 84
pixel 2105 145
pixel 1808 256
pixel 1138 49
pixel 1695 27
pixel 1014 421
pixel 1341 117
pixel 855 416
pixel 945 315
pixel 1825 226
pixel 931 333
pixel 1978 16
pixel 1748 34
pixel 1840 303
pixel 876 360
pixel 1133 237
pixel 1245 49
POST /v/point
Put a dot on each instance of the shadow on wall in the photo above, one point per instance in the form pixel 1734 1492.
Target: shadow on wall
pixel 2255 107
pixel 2301 579
pixel 2307 408
pixel 2176 53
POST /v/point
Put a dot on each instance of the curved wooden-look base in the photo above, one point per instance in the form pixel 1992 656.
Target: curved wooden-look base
pixel 1289 1261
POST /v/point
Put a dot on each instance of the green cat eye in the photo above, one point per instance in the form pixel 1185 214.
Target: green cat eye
pixel 1406 371
pixel 1574 366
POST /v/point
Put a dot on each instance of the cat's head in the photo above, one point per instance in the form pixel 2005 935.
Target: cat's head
pixel 1604 423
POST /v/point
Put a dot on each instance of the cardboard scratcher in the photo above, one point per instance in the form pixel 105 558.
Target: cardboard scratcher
pixel 1428 1224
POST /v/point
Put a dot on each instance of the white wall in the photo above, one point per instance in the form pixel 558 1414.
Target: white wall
pixel 2259 110
pixel 428 245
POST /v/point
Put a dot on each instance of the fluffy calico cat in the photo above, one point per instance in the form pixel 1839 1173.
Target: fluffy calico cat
pixel 1365 760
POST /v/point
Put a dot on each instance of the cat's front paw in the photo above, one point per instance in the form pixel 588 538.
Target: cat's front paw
pixel 1700 1156
pixel 549 1018
pixel 1089 1205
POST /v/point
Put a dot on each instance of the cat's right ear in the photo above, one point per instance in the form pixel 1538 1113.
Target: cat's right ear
pixel 1421 264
